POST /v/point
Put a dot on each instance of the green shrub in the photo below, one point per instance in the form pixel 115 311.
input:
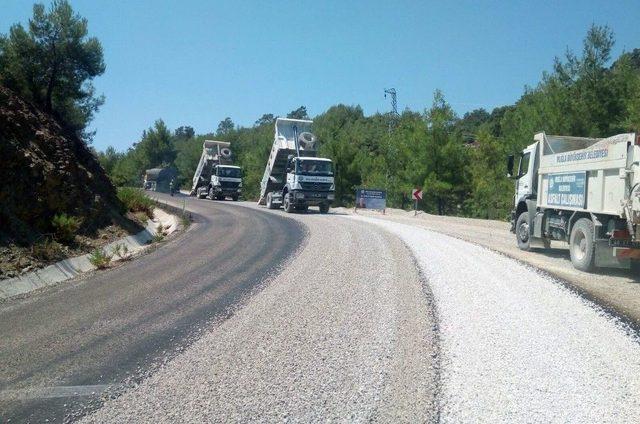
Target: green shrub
pixel 65 227
pixel 100 259
pixel 47 250
pixel 134 200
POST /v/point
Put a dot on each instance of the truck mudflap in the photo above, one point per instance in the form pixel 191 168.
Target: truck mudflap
pixel 607 256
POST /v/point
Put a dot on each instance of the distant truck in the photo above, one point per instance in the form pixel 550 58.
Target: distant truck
pixel 294 177
pixel 159 179
pixel 582 191
pixel 215 176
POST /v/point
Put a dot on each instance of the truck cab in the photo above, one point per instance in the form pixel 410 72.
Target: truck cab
pixel 226 181
pixel 309 182
pixel 526 178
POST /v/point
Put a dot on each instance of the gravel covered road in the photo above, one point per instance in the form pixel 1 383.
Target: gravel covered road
pixel 345 333
pixel 517 346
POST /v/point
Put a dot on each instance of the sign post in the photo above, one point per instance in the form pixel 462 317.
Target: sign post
pixel 416 193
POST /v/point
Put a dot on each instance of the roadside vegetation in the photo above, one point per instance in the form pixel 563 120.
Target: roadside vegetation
pixel 136 201
pixel 459 161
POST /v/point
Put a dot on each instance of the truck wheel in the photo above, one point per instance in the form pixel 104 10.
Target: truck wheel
pixel 582 246
pixel 288 206
pixel 269 201
pixel 324 208
pixel 211 195
pixel 522 231
pixel 635 268
pixel 234 197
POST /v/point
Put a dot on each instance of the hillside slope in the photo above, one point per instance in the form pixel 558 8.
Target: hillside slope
pixel 45 171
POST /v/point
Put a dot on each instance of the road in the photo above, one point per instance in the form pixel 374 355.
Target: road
pixel 616 289
pixel 62 348
pixel 375 320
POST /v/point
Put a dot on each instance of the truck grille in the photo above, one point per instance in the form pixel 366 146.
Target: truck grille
pixel 316 186
pixel 229 184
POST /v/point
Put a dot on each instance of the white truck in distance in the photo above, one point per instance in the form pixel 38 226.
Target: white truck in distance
pixel 583 191
pixel 294 177
pixel 215 177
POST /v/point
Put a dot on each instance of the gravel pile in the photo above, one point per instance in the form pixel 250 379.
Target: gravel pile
pixel 517 346
pixel 346 333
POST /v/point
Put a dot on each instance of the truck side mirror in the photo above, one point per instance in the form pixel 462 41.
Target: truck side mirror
pixel 510 159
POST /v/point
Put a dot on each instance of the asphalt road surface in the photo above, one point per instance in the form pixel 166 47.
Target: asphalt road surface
pixel 64 349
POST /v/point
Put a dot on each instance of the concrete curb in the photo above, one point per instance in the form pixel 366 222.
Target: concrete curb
pixel 72 267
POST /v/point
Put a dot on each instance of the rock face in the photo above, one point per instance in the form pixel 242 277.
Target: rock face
pixel 44 170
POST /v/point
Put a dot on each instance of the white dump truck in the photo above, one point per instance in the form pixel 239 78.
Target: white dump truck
pixel 294 177
pixel 583 191
pixel 215 176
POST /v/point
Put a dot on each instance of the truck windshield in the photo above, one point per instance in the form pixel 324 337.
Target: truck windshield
pixel 229 172
pixel 315 167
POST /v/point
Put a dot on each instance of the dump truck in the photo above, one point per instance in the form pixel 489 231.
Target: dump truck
pixel 295 177
pixel 581 191
pixel 215 176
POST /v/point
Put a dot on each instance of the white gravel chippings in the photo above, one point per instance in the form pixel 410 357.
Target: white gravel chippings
pixel 344 333
pixel 516 345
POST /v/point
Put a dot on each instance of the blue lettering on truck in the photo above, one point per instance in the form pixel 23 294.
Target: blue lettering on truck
pixel 589 154
pixel 568 190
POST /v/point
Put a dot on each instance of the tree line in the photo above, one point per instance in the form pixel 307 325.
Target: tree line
pixel 459 161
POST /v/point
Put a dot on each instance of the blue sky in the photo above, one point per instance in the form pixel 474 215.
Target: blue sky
pixel 195 62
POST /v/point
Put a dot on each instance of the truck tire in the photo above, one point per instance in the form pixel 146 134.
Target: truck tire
pixel 234 197
pixel 288 206
pixel 522 231
pixel 269 201
pixel 211 195
pixel 582 246
pixel 324 208
pixel 635 268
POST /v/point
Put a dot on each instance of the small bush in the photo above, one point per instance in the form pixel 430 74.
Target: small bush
pixel 100 259
pixel 134 200
pixel 65 227
pixel 159 236
pixel 121 250
pixel 47 250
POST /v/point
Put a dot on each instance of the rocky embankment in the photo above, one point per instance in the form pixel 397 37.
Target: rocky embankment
pixel 46 170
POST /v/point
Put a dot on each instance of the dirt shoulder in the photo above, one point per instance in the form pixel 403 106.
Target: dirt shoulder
pixel 612 288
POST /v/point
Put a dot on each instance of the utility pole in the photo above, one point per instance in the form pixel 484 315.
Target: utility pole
pixel 394 106
pixel 394 99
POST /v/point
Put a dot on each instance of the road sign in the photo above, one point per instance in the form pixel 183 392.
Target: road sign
pixel 416 193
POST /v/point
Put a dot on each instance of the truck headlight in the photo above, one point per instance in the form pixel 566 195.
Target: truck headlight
pixel 239 190
pixel 299 195
pixel 240 184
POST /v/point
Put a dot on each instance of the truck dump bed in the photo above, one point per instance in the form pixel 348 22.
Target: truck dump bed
pixel 586 174
pixel 284 144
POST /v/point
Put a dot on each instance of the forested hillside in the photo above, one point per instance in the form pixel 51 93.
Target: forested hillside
pixel 460 161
